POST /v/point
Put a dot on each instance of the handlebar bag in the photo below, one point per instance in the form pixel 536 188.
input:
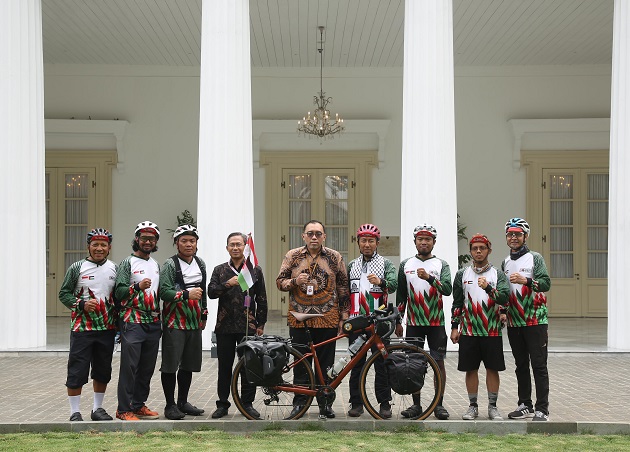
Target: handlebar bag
pixel 356 323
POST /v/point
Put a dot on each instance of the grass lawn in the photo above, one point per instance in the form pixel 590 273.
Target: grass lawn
pixel 298 441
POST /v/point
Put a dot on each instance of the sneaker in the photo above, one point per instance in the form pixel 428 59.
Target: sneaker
pixel 412 412
pixel 100 414
pixel 327 411
pixel 471 414
pixel 188 408
pixel 145 413
pixel 385 410
pixel 356 410
pixel 173 413
pixel 540 416
pixel 523 411
pixel 493 413
pixel 441 413
pixel 76 417
pixel 126 416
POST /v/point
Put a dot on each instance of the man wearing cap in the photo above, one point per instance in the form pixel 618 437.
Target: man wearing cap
pixel 235 319
pixel 371 278
pixel 527 320
pixel 184 315
pixel 87 290
pixel 137 282
pixel 478 292
pixel 422 281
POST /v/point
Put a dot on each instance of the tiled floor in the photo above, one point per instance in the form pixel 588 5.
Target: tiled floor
pixel 586 382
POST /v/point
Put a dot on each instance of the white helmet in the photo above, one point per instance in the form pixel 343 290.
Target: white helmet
pixel 425 229
pixel 148 226
pixel 185 229
pixel 517 223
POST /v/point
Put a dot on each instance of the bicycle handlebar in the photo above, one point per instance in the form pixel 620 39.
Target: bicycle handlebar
pixel 390 318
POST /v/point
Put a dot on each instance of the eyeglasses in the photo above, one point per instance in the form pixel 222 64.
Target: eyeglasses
pixel 478 248
pixel 317 234
pixel 148 239
pixel 514 234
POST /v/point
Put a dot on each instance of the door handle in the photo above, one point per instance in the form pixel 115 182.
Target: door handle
pixel 577 275
pixel 283 300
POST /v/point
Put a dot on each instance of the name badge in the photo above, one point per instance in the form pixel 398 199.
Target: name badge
pixel 310 289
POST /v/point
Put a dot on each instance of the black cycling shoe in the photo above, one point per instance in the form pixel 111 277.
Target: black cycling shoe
pixel 412 412
pixel 76 416
pixel 327 411
pixel 253 412
pixel 100 414
pixel 173 413
pixel 441 413
pixel 188 408
pixel 296 409
pixel 385 410
pixel 220 412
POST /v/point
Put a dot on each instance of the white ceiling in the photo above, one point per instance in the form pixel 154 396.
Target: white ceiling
pixel 359 33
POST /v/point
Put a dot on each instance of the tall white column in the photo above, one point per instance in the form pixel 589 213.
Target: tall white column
pixel 619 215
pixel 22 202
pixel 225 189
pixel 428 185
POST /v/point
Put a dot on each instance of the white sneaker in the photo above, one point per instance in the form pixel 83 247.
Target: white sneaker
pixel 493 413
pixel 471 414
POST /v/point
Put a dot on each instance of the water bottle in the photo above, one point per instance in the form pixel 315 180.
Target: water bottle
pixel 357 344
pixel 338 367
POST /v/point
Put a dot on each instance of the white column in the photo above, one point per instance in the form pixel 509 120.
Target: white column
pixel 22 202
pixel 428 185
pixel 225 189
pixel 619 215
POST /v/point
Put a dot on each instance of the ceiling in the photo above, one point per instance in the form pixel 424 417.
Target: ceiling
pixel 359 33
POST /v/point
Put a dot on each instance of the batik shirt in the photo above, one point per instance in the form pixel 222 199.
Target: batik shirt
pixel 423 298
pixel 85 280
pixel 179 311
pixel 478 309
pixel 232 314
pixel 364 296
pixel 528 302
pixel 329 279
pixel 138 306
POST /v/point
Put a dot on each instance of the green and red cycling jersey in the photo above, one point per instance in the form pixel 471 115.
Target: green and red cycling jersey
pixel 178 311
pixel 138 306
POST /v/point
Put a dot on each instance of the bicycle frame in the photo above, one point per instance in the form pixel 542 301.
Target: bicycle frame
pixel 374 339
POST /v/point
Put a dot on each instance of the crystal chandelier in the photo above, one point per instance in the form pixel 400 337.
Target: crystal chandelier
pixel 319 123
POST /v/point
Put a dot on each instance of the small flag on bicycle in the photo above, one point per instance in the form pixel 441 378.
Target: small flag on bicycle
pixel 247 276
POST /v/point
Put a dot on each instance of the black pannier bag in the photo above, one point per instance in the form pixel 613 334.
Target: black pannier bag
pixel 406 371
pixel 264 361
pixel 356 323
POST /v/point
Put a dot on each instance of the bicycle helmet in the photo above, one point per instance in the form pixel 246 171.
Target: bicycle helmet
pixel 185 229
pixel 516 224
pixel 425 229
pixel 99 234
pixel 368 230
pixel 480 238
pixel 148 226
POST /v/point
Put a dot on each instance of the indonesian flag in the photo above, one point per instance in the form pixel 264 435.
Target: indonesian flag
pixel 247 277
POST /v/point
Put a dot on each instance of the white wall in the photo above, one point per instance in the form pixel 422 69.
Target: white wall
pixel 158 178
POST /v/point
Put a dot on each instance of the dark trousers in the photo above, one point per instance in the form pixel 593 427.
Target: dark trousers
pixel 226 350
pixel 381 382
pixel 325 354
pixel 529 343
pixel 139 350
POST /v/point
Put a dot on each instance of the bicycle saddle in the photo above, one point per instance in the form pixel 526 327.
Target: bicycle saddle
pixel 301 317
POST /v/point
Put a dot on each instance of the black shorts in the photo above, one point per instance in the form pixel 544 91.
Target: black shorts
pixel 475 349
pixel 181 349
pixel 90 348
pixel 435 336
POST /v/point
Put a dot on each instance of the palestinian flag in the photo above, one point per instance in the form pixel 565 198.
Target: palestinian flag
pixel 247 277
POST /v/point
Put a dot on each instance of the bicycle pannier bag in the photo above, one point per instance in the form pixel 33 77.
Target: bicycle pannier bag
pixel 264 361
pixel 406 371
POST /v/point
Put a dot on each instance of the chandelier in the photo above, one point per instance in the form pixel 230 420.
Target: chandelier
pixel 320 123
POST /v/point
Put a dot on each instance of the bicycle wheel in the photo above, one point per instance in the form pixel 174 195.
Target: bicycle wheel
pixel 274 403
pixel 375 387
